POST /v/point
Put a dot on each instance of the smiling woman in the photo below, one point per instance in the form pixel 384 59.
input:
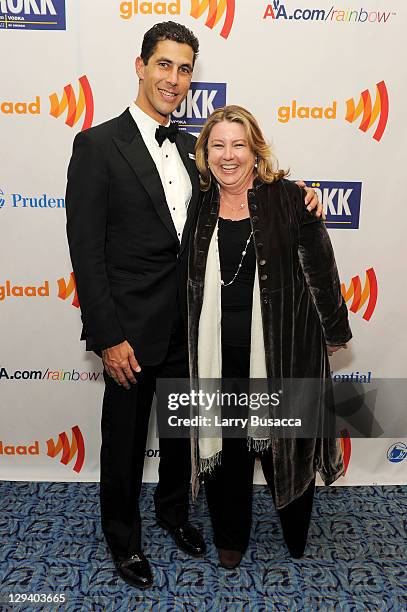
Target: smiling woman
pixel 264 303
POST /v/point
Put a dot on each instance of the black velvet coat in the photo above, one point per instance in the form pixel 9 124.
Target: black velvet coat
pixel 302 311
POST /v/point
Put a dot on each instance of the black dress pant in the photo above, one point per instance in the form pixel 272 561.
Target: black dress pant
pixel 229 487
pixel 125 420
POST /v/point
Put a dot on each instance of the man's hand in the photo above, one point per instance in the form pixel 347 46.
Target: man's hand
pixel 332 349
pixel 311 200
pixel 120 363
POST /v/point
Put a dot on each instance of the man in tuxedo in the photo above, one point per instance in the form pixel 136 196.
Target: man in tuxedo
pixel 131 199
pixel 131 195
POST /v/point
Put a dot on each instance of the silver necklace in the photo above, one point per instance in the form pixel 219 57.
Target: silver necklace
pixel 222 282
pixel 240 207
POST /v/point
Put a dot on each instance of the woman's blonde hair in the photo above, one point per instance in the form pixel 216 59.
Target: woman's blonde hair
pixel 266 165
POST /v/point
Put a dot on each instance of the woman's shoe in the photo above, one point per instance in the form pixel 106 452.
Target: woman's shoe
pixel 229 559
pixel 296 553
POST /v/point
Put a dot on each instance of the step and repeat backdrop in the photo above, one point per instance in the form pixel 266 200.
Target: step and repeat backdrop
pixel 328 86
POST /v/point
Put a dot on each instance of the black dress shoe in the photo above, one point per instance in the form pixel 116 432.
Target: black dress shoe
pixel 187 538
pixel 229 559
pixel 135 570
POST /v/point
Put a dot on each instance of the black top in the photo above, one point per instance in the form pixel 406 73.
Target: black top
pixel 237 298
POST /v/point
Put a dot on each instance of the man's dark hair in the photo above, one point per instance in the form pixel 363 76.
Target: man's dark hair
pixel 167 30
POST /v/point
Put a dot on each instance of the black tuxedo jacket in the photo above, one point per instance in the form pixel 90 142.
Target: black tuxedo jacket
pixel 129 267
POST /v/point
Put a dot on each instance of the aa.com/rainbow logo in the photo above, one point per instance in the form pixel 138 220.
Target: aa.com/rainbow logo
pixel 283 11
pixel 215 10
pixel 68 450
pixel 32 15
pixel 361 298
pixel 64 289
pixel 371 111
pixel 73 106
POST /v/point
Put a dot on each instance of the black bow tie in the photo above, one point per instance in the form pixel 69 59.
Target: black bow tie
pixel 169 132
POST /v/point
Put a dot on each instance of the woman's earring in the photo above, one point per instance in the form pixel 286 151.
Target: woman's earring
pixel 256 161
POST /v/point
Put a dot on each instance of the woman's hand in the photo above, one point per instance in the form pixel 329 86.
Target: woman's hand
pixel 311 200
pixel 332 349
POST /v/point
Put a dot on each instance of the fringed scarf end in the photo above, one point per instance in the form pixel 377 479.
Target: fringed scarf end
pixel 206 466
pixel 258 445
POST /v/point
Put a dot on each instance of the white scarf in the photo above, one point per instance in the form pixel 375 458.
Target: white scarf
pixel 210 352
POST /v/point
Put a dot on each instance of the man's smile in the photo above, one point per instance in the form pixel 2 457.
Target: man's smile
pixel 170 95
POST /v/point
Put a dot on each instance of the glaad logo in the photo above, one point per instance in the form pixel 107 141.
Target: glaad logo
pixel 346 448
pixel 130 9
pixel 21 108
pixel 359 297
pixel 75 107
pixel 380 109
pixel 10 290
pixel 67 289
pixel 2 200
pixel 32 14
pixel 20 449
pixel 216 9
pixel 68 450
pixel 341 202
pixel 397 452
pixel 294 111
pixel 201 101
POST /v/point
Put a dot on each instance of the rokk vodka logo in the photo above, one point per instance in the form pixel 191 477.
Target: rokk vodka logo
pixel 32 14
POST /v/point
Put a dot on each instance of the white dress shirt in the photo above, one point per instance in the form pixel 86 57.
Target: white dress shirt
pixel 174 177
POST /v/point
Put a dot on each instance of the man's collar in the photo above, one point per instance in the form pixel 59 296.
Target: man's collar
pixel 145 123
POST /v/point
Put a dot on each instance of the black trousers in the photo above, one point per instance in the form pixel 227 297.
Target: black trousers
pixel 125 419
pixel 229 487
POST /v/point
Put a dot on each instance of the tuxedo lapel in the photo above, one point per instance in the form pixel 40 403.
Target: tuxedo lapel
pixel 132 147
pixel 187 155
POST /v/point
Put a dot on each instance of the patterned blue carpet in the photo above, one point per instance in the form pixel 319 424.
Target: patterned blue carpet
pixel 356 558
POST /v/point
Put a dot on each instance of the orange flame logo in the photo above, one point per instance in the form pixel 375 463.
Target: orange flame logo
pixel 370 114
pixel 215 8
pixel 75 107
pixel 346 448
pixel 69 450
pixel 65 290
pixel 360 297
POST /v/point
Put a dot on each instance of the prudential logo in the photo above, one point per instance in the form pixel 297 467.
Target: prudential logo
pixel 2 199
pixel 396 453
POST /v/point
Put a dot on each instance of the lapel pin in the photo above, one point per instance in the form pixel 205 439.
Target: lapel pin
pixel 191 156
